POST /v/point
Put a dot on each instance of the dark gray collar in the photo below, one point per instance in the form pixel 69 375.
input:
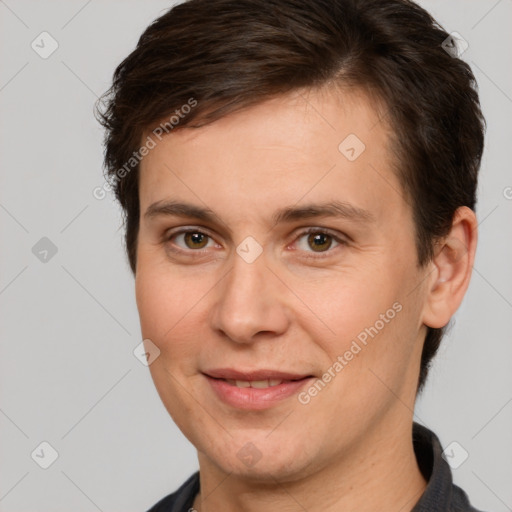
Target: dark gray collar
pixel 440 495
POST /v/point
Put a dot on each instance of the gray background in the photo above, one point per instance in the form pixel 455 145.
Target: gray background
pixel 69 325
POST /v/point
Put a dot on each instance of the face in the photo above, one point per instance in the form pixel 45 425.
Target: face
pixel 277 276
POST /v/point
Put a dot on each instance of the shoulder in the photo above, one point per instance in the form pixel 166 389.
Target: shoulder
pixel 180 500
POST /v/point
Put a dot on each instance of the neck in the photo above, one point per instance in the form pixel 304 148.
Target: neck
pixel 380 474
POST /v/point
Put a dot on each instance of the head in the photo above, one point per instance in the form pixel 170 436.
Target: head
pixel 259 109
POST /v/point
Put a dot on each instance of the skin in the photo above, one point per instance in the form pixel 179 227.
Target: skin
pixel 295 308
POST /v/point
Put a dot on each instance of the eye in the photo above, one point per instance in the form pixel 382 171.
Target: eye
pixel 318 240
pixel 190 240
pixel 193 240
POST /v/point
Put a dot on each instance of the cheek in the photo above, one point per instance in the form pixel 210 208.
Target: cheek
pixel 172 307
pixel 161 302
pixel 367 315
pixel 343 304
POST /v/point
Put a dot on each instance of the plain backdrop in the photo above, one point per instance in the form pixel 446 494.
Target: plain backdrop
pixel 69 324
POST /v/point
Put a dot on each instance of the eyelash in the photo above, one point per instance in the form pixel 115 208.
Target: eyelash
pixel 200 252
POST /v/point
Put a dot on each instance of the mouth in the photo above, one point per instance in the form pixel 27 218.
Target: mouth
pixel 255 390
pixel 258 384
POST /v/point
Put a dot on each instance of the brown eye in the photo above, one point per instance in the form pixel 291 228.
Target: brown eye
pixel 195 240
pixel 319 242
pixel 189 241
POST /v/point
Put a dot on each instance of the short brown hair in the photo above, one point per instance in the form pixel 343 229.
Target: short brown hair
pixel 233 54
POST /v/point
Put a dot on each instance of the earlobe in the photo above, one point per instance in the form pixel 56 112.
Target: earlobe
pixel 451 269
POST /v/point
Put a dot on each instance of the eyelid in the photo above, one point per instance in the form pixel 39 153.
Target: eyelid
pixel 186 229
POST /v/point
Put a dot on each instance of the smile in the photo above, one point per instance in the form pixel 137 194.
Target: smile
pixel 260 384
pixel 257 391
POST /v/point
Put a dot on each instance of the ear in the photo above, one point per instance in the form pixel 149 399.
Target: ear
pixel 450 269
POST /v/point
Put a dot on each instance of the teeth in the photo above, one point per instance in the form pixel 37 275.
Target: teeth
pixel 261 384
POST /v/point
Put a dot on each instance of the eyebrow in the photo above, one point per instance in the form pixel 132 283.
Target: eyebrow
pixel 330 209
pixel 288 214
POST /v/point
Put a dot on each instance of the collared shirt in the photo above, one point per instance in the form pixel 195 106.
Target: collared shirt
pixel 440 495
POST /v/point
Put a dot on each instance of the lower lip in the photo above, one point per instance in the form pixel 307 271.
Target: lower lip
pixel 255 399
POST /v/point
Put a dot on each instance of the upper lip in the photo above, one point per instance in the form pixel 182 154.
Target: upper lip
pixel 231 374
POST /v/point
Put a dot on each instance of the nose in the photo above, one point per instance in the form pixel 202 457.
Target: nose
pixel 250 302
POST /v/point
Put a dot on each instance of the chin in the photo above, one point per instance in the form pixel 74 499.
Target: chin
pixel 263 462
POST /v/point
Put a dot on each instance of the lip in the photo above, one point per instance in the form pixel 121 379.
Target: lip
pixel 255 399
pixel 229 373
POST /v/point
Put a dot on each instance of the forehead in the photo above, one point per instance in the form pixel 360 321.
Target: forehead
pixel 305 146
